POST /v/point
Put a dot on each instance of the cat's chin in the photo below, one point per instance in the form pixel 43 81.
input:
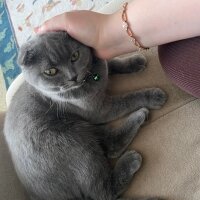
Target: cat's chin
pixel 59 95
pixel 55 96
pixel 64 90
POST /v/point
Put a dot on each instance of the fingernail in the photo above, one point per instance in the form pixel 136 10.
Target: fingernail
pixel 39 29
pixel 36 29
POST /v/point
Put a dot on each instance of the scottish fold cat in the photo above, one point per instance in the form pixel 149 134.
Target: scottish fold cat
pixel 57 126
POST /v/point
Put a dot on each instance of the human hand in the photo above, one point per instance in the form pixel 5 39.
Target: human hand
pixel 101 32
pixel 85 26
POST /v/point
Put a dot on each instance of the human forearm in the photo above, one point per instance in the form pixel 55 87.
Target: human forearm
pixel 155 22
pixel 159 22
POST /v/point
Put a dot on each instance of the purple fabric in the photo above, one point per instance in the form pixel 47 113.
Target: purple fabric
pixel 181 62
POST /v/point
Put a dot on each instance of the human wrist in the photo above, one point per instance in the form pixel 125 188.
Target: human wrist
pixel 113 39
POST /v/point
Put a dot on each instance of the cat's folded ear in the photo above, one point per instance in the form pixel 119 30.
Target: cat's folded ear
pixel 27 55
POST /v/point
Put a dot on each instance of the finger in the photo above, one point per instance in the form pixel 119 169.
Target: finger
pixel 56 23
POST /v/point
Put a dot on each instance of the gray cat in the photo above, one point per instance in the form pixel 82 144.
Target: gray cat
pixel 57 124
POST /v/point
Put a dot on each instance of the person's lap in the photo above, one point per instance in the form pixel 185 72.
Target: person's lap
pixel 181 63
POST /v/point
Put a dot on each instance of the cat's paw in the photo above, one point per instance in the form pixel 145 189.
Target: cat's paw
pixel 138 63
pixel 146 198
pixel 133 160
pixel 142 116
pixel 156 98
pixel 138 118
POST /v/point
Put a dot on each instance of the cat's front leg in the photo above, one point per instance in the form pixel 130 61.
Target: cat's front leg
pixel 147 198
pixel 123 172
pixel 116 140
pixel 114 107
pixel 130 64
pixel 127 165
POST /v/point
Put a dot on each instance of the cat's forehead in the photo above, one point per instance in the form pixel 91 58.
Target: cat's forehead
pixel 57 44
pixel 54 40
pixel 57 41
pixel 54 36
pixel 52 47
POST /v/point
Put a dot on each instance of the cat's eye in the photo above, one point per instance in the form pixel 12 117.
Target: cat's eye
pixel 51 72
pixel 75 56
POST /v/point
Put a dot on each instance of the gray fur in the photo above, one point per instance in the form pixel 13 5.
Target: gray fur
pixel 57 127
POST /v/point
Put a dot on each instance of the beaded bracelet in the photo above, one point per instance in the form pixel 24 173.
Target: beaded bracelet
pixel 126 26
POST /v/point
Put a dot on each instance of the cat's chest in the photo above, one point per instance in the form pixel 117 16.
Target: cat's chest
pixel 83 103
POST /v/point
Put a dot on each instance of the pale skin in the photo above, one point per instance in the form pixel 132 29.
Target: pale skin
pixel 153 22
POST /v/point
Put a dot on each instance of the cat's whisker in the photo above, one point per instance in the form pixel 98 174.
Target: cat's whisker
pixel 60 107
pixel 89 72
pixel 51 105
pixel 64 87
pixel 57 114
pixel 63 105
